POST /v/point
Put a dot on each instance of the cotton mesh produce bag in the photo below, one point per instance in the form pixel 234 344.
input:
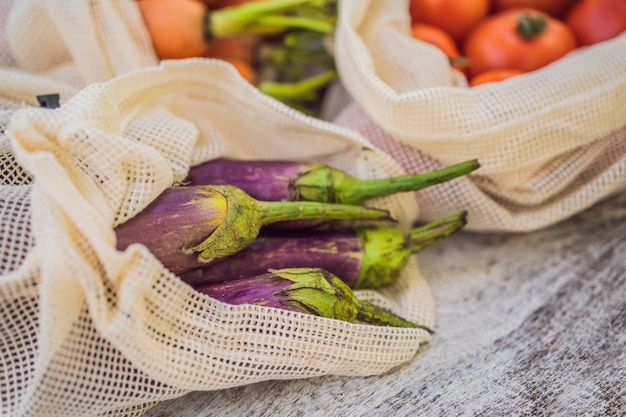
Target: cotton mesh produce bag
pixel 551 143
pixel 88 330
pixel 76 42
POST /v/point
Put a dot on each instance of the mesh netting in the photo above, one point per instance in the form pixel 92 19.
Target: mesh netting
pixel 88 330
pixel 551 143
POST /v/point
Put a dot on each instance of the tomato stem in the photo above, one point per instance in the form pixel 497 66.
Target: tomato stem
pixel 530 26
pixel 459 61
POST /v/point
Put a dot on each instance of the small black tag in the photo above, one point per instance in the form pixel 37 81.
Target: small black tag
pixel 50 101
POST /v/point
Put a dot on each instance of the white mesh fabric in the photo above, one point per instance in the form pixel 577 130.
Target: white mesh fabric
pixel 551 142
pixel 88 330
pixel 77 42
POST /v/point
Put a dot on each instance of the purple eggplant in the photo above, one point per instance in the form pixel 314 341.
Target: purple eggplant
pixel 361 257
pixel 305 290
pixel 189 226
pixel 280 180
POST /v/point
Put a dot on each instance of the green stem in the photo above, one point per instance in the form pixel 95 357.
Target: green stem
pixel 276 23
pixel 366 189
pixel 284 91
pixel 459 61
pixel 314 58
pixel 530 26
pixel 373 314
pixel 304 41
pixel 317 291
pixel 422 237
pixel 278 211
pixel 245 216
pixel 386 250
pixel 245 18
pixel 326 184
pixel 299 89
pixel 256 8
pixel 301 108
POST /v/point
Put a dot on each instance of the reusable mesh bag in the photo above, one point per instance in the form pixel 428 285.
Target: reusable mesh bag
pixel 77 42
pixel 87 330
pixel 551 143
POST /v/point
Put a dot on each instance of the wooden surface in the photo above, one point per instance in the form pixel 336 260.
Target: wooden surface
pixel 527 324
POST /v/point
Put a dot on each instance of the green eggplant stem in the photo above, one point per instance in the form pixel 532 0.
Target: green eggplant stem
pixel 422 237
pixel 322 183
pixel 277 211
pixel 387 250
pixel 245 216
pixel 373 314
pixel 317 291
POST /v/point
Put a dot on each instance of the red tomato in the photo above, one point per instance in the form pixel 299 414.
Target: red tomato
pixel 455 17
pixel 523 39
pixel 594 21
pixel 494 75
pixel 555 8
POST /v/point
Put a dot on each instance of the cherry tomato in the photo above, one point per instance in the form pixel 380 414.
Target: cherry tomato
pixel 556 8
pixel 437 37
pixel 523 39
pixel 455 17
pixel 594 21
pixel 493 75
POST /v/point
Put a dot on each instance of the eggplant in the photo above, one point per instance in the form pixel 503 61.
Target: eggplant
pixel 189 226
pixel 367 257
pixel 284 180
pixel 305 290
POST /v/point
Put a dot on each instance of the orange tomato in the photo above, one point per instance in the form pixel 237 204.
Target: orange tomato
pixel 523 39
pixel 241 47
pixel 437 37
pixel 244 68
pixel 556 8
pixel 175 27
pixel 239 51
pixel 594 21
pixel 494 75
pixel 455 17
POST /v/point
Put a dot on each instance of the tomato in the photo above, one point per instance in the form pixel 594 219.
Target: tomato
pixel 437 37
pixel 236 47
pixel 175 27
pixel 455 17
pixel 493 75
pixel 556 8
pixel 593 21
pixel 523 39
pixel 244 68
